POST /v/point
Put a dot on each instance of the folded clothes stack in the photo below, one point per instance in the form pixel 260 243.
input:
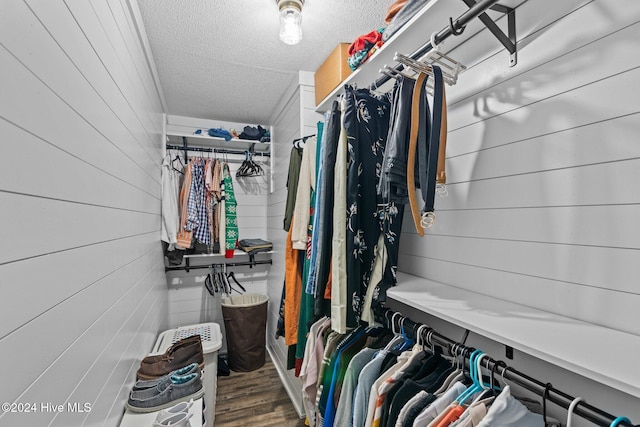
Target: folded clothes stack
pixel 164 380
pixel 254 246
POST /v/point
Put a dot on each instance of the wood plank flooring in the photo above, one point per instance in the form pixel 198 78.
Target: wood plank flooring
pixel 255 398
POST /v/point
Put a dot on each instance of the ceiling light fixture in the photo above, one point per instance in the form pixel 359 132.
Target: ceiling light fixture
pixel 290 21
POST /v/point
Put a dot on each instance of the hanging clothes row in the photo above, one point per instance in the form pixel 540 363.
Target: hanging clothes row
pixel 347 188
pixel 199 208
pixel 372 377
pixel 410 375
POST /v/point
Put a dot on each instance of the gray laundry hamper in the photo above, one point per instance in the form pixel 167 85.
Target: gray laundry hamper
pixel 245 322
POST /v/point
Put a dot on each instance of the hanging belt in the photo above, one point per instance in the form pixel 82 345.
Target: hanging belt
pixel 411 155
pixel 441 177
pixel 436 147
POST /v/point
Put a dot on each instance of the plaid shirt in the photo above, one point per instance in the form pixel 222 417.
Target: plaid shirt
pixel 198 219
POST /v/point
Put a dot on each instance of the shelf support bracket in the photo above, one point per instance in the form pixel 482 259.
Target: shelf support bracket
pixel 508 40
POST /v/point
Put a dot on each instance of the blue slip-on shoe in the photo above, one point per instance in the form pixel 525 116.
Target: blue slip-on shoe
pixel 153 391
pixel 166 394
pixel 145 384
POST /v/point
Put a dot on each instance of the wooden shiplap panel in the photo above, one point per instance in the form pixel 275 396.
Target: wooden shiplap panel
pixel 541 161
pixel 36 291
pixel 62 325
pixel 584 185
pixel 49 226
pixel 516 257
pixel 58 166
pixel 570 225
pixel 63 26
pixel 539 23
pixel 25 35
pixel 82 287
pixel 97 24
pixel 78 367
pixel 31 101
pixel 551 115
pixel 576 146
pixel 288 125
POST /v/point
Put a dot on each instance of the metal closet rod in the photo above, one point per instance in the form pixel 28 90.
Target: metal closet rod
pixel 188 267
pixel 214 150
pixel 582 409
pixel 455 26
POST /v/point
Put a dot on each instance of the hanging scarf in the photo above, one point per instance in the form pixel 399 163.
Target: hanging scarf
pixel 231 220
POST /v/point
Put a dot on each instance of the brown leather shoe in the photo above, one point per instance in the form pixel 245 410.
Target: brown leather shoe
pixel 176 345
pixel 179 355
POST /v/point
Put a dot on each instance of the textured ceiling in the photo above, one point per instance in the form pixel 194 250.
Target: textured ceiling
pixel 222 59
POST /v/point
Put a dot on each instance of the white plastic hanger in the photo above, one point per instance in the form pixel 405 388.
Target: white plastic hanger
pixel 572 406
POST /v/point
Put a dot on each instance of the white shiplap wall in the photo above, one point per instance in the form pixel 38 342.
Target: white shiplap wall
pixel 82 289
pixel 542 166
pixel 188 301
pixel 295 117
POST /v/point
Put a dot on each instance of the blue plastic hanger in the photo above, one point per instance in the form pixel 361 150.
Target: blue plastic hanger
pixel 475 387
pixel 408 342
pixel 619 420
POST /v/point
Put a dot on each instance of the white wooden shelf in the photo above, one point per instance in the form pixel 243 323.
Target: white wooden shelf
pixel 206 141
pixel 411 37
pixel 602 354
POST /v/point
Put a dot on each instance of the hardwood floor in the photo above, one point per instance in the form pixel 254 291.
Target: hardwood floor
pixel 255 398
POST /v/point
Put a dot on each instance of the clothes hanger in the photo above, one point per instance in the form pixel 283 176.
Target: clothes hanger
pixel 475 386
pixel 408 342
pixel 545 397
pixel 209 284
pixel 419 337
pixel 231 275
pixel 394 73
pixel 619 420
pixel 495 386
pixel 487 390
pixel 393 323
pixel 572 407
pixel 436 55
pixel 421 67
pixel 182 166
pixel 223 280
pixel 397 338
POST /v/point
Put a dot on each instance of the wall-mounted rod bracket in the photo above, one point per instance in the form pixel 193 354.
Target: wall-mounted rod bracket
pixel 508 40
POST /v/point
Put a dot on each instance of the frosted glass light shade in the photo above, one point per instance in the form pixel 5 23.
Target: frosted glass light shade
pixel 290 22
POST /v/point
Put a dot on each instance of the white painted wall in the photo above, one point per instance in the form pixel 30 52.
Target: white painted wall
pixel 82 289
pixel 542 162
